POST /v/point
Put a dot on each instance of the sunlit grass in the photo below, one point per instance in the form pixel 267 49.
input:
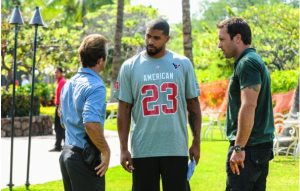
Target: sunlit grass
pixel 209 175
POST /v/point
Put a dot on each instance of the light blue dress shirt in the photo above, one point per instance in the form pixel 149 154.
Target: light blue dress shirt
pixel 82 100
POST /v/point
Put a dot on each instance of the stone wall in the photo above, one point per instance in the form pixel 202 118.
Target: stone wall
pixel 41 125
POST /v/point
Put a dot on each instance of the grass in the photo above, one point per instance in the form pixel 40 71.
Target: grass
pixel 209 174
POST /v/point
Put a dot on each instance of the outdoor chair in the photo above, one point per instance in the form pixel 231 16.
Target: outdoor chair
pixel 285 142
pixel 214 119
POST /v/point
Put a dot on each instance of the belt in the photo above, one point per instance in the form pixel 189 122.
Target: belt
pixel 73 148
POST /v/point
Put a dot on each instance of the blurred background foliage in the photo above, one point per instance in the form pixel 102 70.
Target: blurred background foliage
pixel 274 23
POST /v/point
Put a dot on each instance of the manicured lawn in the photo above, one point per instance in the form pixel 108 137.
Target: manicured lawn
pixel 111 124
pixel 209 174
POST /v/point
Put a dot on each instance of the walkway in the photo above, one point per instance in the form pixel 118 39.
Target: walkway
pixel 44 165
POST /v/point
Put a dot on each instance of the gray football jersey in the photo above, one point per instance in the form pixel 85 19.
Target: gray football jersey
pixel 158 89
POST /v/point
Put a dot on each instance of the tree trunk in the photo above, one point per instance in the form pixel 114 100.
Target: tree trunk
pixel 83 13
pixel 116 63
pixel 187 30
pixel 9 78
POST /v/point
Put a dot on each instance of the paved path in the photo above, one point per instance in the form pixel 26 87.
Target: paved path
pixel 44 165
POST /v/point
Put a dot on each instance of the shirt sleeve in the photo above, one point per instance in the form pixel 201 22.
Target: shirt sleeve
pixel 94 109
pixel 61 113
pixel 123 90
pixel 192 89
pixel 249 73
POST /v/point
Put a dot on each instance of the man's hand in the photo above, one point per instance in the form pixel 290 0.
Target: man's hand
pixel 195 151
pixel 95 132
pixel 126 161
pixel 237 159
pixel 103 167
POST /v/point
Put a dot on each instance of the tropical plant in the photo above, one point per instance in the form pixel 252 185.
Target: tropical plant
pixel 56 46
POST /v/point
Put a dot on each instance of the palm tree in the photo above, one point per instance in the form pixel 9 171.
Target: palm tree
pixel 187 30
pixel 116 63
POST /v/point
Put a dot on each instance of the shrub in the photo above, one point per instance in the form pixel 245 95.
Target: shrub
pixel 42 90
pixel 22 104
pixel 284 80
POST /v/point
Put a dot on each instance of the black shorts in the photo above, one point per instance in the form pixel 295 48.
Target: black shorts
pixel 172 170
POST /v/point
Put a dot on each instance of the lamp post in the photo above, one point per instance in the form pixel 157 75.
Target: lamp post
pixel 16 20
pixel 36 20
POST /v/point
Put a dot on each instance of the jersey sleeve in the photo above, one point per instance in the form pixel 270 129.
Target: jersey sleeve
pixel 94 109
pixel 123 90
pixel 249 73
pixel 192 89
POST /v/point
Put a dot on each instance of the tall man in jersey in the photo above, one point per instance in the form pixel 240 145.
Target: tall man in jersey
pixel 249 119
pixel 157 87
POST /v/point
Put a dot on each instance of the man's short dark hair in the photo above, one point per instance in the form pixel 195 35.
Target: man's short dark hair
pixel 237 25
pixel 159 24
pixel 59 69
pixel 92 49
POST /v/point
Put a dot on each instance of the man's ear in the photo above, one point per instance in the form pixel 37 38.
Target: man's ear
pixel 167 38
pixel 238 38
pixel 100 60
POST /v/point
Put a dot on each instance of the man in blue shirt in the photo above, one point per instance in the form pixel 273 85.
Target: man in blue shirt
pixel 83 110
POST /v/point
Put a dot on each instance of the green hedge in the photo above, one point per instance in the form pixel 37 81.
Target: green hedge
pixel 284 80
pixel 22 105
pixel 22 100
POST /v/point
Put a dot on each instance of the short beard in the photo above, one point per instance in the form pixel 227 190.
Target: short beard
pixel 155 52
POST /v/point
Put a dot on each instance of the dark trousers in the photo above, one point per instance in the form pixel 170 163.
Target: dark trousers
pixel 172 170
pixel 76 174
pixel 253 177
pixel 60 132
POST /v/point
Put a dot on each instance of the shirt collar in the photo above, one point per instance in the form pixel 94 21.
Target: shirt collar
pixel 88 71
pixel 243 54
pixel 59 79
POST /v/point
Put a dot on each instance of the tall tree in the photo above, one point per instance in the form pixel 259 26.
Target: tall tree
pixel 116 64
pixel 187 30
